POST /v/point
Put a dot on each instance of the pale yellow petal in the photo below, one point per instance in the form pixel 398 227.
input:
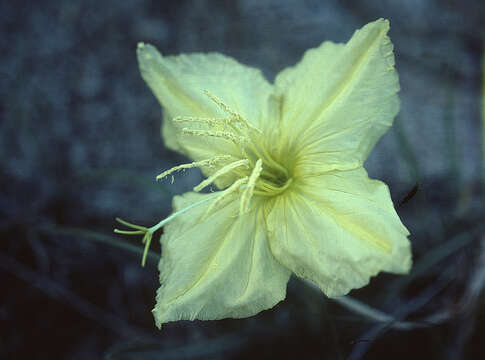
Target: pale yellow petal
pixel 220 267
pixel 339 100
pixel 338 230
pixel 179 83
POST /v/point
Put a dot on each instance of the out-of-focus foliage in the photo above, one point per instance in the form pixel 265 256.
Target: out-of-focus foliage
pixel 80 143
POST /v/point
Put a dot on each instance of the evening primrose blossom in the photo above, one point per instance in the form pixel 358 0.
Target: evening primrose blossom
pixel 287 162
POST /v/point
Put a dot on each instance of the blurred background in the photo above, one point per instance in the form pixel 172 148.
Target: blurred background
pixel 79 133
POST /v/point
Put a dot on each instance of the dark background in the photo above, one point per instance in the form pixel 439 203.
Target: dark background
pixel 80 145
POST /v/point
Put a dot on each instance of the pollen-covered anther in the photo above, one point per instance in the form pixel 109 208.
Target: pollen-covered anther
pixel 224 170
pixel 209 121
pixel 235 116
pixel 248 192
pixel 238 140
pixel 207 162
pixel 219 102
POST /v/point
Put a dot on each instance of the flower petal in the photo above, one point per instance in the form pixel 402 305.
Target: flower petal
pixel 216 268
pixel 179 83
pixel 338 230
pixel 340 99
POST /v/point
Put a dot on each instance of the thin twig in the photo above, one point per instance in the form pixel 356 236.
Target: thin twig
pixel 369 312
pixel 370 336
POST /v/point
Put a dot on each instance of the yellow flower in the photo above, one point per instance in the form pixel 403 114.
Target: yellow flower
pixel 287 161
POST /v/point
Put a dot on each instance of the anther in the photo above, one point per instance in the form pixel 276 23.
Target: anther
pixel 208 121
pixel 238 140
pixel 223 106
pixel 231 112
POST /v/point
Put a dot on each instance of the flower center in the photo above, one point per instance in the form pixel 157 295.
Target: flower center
pixel 274 178
pixel 253 172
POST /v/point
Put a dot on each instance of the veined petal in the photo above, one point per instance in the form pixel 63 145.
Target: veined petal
pixel 219 267
pixel 179 83
pixel 339 100
pixel 338 230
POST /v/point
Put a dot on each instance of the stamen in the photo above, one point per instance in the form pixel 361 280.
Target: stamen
pixel 234 187
pixel 223 106
pixel 208 121
pixel 238 140
pixel 231 112
pixel 208 162
pixel 224 170
pixel 248 192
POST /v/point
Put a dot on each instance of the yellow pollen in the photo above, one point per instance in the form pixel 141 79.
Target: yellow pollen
pixel 238 140
pixel 219 102
pixel 229 111
pixel 208 121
